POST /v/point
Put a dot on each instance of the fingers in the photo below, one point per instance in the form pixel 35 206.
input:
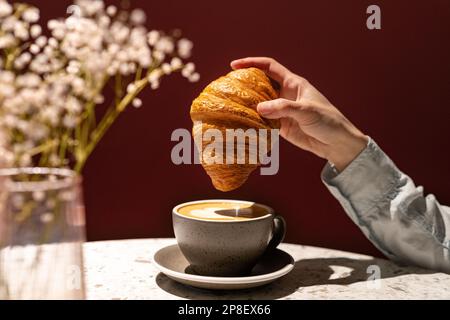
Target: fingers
pixel 278 108
pixel 271 67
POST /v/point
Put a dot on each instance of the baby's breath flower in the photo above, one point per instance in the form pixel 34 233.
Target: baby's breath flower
pixel 69 121
pixel 21 31
pixel 131 88
pixel 53 24
pixel 90 7
pixel 59 33
pixel 165 45
pixel 41 41
pixel 54 80
pixel 138 16
pixel 185 48
pixel 35 49
pixel 194 77
pixel 99 99
pixel 158 55
pixel 145 60
pixel 5 9
pixel 137 103
pixel 166 68
pixel 52 42
pixel 111 10
pixel 176 63
pixel 31 15
pixel 7 41
pixel 154 76
pixel 155 85
pixel 153 37
pixel 188 70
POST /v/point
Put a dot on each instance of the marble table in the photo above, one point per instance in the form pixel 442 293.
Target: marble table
pixel 123 270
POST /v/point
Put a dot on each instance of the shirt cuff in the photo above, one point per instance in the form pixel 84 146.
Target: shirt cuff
pixel 370 178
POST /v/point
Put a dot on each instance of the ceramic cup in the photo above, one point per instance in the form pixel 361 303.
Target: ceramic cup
pixel 226 248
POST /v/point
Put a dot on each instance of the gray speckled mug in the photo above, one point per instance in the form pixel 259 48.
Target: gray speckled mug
pixel 226 248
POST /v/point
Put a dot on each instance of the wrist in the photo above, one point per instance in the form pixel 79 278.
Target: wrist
pixel 343 154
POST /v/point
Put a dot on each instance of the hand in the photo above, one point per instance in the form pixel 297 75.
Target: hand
pixel 308 119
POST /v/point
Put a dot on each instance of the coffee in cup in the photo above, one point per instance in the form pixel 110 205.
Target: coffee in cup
pixel 225 237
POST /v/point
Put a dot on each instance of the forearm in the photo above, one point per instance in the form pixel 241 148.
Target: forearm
pixel 391 211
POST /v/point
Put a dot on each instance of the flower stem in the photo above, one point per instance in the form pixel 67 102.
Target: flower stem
pixel 106 123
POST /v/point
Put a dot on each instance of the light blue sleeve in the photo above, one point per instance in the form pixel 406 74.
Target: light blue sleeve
pixel 391 211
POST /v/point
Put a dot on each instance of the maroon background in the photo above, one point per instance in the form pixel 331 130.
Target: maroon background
pixel 392 83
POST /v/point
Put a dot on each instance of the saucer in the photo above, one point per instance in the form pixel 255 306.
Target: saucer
pixel 272 266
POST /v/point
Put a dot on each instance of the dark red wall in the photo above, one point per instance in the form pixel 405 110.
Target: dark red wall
pixel 393 83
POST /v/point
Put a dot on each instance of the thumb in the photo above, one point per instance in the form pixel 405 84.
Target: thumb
pixel 278 108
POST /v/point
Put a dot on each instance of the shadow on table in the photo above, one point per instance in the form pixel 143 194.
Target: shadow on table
pixel 306 272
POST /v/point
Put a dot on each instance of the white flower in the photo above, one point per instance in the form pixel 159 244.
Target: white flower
pixel 10 120
pixel 194 77
pixel 138 17
pixel 137 103
pixel 9 23
pixel 21 31
pixel 54 78
pixel 50 114
pixel 124 69
pixel 7 77
pixel 155 85
pixel 5 9
pixel 99 99
pixel 188 70
pixel 7 41
pixel 185 48
pixel 165 45
pixel 90 7
pixel 53 24
pixel 28 80
pixel 7 91
pixel 166 68
pixel 73 106
pixel 41 41
pixel 176 63
pixel 35 30
pixel 145 59
pixel 73 67
pixel 111 10
pixel 78 85
pixel 70 121
pixel 31 15
pixel 131 88
pixel 153 37
pixel 35 49
pixel 158 55
pixel 52 42
pixel 119 32
pixel 154 76
pixel 104 21
pixel 59 33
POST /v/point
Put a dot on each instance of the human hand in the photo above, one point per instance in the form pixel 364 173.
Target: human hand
pixel 308 119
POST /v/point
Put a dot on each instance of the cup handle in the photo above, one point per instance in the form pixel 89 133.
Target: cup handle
pixel 278 233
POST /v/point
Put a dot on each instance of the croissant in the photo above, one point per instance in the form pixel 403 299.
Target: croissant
pixel 230 103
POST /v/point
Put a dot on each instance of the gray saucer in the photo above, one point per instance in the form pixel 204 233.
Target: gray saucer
pixel 170 261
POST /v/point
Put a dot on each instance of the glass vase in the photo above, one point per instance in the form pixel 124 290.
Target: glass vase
pixel 42 229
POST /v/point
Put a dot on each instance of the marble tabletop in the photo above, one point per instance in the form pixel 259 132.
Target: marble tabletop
pixel 123 270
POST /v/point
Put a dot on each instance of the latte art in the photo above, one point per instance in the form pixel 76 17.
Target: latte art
pixel 224 211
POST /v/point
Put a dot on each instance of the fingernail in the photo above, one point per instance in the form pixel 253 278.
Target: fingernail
pixel 264 108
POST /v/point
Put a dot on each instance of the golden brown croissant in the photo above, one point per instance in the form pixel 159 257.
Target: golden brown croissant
pixel 230 103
